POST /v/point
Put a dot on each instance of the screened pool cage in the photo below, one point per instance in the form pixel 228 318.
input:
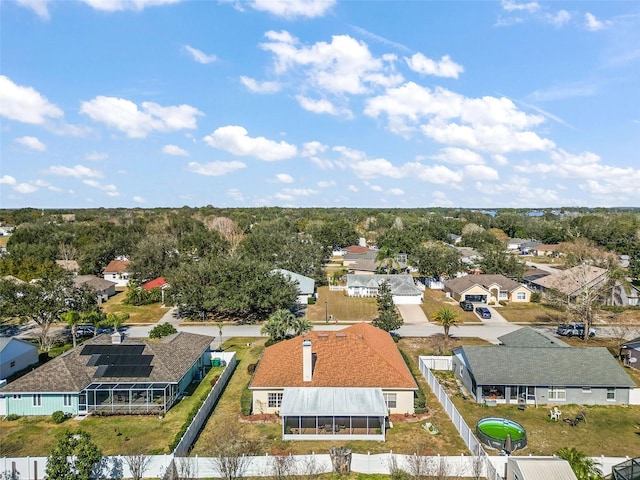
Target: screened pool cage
pixel 128 398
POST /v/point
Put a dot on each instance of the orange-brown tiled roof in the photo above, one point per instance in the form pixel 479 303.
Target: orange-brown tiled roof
pixel 119 266
pixel 156 282
pixel 357 249
pixel 358 356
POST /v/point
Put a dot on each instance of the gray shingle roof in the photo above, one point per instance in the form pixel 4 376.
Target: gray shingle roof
pixel 572 280
pixel 548 366
pixel 172 357
pixel 528 337
pixel 399 284
pixel 462 284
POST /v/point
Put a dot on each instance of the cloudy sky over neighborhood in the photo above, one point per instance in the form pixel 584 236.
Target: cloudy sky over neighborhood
pixel 123 103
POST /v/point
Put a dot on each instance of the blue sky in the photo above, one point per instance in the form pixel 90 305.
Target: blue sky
pixel 156 103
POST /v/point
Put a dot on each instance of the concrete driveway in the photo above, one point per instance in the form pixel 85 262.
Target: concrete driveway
pixel 412 315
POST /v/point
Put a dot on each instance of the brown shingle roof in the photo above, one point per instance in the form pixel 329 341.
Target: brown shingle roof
pixel 172 358
pixel 571 281
pixel 119 266
pixel 462 284
pixel 357 356
pixel 96 283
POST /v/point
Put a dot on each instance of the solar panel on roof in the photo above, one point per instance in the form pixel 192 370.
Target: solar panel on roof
pixel 129 371
pixel 107 359
pixel 112 349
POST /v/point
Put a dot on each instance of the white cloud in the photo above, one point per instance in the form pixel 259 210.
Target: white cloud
pixel 139 199
pixel 32 143
pixel 323 163
pixel 25 188
pixel 326 183
pixel 96 156
pixel 396 191
pixel 481 172
pixel 376 188
pixel 322 106
pixel 235 194
pixel 376 168
pixel 512 6
pixel 8 180
pixel 79 171
pixel 25 104
pixel 39 7
pixel 501 160
pixel 559 19
pixel 110 190
pixel 120 5
pixel 438 174
pixel 379 39
pixel 175 150
pixel 284 178
pixel 235 139
pixel 199 56
pixel 215 169
pixel 352 188
pixel 311 149
pixel 125 116
pixel 593 24
pixel 560 92
pixel 290 194
pixel 293 8
pixel 459 156
pixel 350 153
pixel 344 66
pixel 444 68
pixel 260 87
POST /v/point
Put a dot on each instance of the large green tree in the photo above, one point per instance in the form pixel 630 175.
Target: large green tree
pixel 495 260
pixel 437 260
pixel 388 318
pixel 75 457
pixel 283 323
pixel 583 466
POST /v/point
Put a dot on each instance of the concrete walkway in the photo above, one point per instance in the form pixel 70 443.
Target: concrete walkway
pixel 412 315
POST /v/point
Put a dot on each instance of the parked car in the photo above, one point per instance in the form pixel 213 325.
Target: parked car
pixel 85 331
pixel 574 330
pixel 466 305
pixel 483 312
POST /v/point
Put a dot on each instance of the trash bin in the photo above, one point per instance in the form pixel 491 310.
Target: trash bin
pixel 215 362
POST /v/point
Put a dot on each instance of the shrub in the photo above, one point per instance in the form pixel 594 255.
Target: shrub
pixel 251 368
pixel 246 399
pixel 536 297
pixel 503 303
pixel 58 416
pixel 214 380
pixel 311 300
pixel 162 330
pixel 12 417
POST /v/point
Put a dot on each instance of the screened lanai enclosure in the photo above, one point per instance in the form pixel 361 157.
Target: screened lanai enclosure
pixel 333 413
pixel 128 398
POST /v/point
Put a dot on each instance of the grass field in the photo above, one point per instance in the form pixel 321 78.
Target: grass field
pixel 532 313
pixel 4 240
pixel 137 314
pixel 127 434
pixel 343 308
pixel 435 299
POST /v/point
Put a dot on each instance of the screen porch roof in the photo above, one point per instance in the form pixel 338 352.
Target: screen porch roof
pixel 333 402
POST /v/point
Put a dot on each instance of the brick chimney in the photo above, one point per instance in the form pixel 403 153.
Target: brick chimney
pixel 307 361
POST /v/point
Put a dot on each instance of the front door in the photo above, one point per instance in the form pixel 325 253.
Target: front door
pixel 526 394
pixel 82 404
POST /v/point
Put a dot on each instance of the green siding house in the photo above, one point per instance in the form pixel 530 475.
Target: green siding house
pixel 110 374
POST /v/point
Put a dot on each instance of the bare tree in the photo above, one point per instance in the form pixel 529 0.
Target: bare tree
pixel 477 463
pixel 418 465
pixel 395 471
pixel 231 450
pixel 67 251
pixel 439 468
pixel 282 466
pixel 310 468
pixel 227 228
pixel 185 468
pixel 138 464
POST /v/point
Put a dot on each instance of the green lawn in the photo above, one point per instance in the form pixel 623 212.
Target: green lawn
pixel 343 308
pixel 137 314
pixel 537 313
pixel 126 434
pixel 436 299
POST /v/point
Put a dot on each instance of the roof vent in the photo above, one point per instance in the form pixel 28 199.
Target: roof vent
pixel 341 335
pixel 323 335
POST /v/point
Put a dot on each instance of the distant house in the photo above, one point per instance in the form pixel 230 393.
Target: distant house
pixel 334 385
pixel 528 468
pixel 486 289
pixel 103 288
pixel 366 262
pixel 517 243
pixel 403 287
pixel 68 217
pixel 159 282
pixel 306 285
pixel 111 375
pixel 545 250
pixel 630 353
pixel 117 272
pixel 539 369
pixel 69 265
pixel 16 355
pixel 573 281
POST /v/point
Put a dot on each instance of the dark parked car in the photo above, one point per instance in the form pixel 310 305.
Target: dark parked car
pixel 85 331
pixel 483 312
pixel 574 330
pixel 466 305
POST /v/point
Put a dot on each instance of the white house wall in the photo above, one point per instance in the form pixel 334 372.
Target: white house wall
pixel 407 299
pixel 16 356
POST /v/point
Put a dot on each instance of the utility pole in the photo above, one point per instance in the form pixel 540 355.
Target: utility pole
pixel 326 312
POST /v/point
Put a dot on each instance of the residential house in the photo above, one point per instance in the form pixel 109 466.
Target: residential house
pixel 545 250
pixel 469 256
pixel 403 287
pixel 159 282
pixel 69 265
pixel 16 355
pixel 485 288
pixel 306 285
pixel 117 272
pixel 515 244
pixel 339 383
pixel 627 470
pixel 532 468
pixel 526 247
pixel 573 281
pixel 536 368
pixel 110 374
pixel 630 353
pixel 103 288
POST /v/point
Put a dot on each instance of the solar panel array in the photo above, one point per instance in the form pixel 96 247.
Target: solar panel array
pixel 123 361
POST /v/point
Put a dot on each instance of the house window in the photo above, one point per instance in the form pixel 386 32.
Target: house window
pixel 586 389
pixel 391 399
pixel 521 296
pixel 274 400
pixel 557 393
pixel 503 295
pixel 611 394
pixel 66 400
pixel 17 397
pixel 37 400
pixel 12 364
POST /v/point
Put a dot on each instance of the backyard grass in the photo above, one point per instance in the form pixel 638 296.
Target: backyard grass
pixel 609 430
pixel 535 313
pixel 436 299
pixel 137 314
pixel 343 308
pixel 114 435
pixel 4 240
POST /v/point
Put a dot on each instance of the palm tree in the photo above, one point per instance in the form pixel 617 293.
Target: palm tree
pixel 386 254
pixel 584 467
pixel 282 322
pixel 72 319
pixel 447 317
pixel 116 320
pixel 300 325
pixel 275 328
pixel 94 318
